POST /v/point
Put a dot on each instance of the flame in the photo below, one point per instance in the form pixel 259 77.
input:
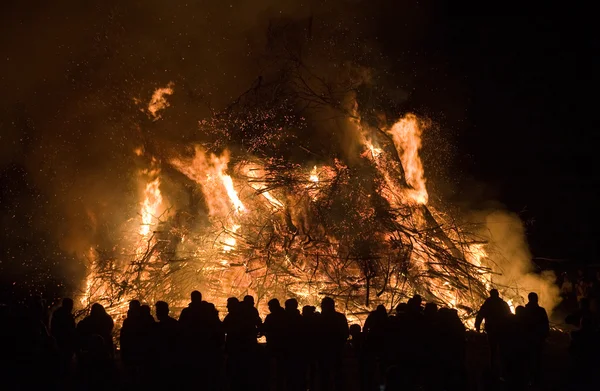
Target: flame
pixel 314 176
pixel 159 101
pixel 511 306
pixel 233 196
pixel 406 134
pixel 230 242
pixel 151 204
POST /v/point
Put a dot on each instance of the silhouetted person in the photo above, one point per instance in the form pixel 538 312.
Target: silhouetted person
pixel 357 350
pixel 333 334
pixel 62 327
pixel 295 368
pixel 130 335
pixel 164 345
pixel 251 312
pixel 96 347
pixel 515 348
pixel 275 329
pixel 310 325
pixel 374 350
pixel 495 312
pixel 538 328
pixel 98 323
pixel 452 349
pixel 240 343
pixel 202 338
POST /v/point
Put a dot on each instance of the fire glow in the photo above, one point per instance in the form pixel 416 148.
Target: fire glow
pixel 363 234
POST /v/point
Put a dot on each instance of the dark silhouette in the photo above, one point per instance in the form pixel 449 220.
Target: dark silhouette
pixel 295 370
pixel 130 336
pixel 357 350
pixel 515 349
pixel 310 325
pixel 202 337
pixel 164 346
pixel 62 328
pixel 332 336
pixel 537 330
pixel 241 344
pixel 452 349
pixel 374 349
pixel 95 348
pixel 251 312
pixel 275 329
pixel 98 324
pixel 495 312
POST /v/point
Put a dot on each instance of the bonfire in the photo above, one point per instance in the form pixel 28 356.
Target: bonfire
pixel 258 206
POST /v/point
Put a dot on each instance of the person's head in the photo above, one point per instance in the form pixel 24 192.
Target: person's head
pixel 134 305
pixel 145 310
pixel 414 304
pixel 248 299
pixel 327 305
pixel 308 310
pixel 417 299
pixel 520 312
pixel 430 309
pixel 97 310
pixel 196 297
pixel 533 297
pixel 273 305
pixel 355 330
pixel 494 293
pixel 381 309
pixel 162 310
pixel 232 304
pixel 291 304
pixel 67 304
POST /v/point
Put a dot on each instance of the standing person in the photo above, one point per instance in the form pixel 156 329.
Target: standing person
pixel 537 330
pixel 96 348
pixel 251 312
pixel 129 336
pixel 275 329
pixel 295 370
pixel 374 330
pixel 62 328
pixel 495 312
pixel 332 335
pixel 165 340
pixel 310 324
pixel 202 338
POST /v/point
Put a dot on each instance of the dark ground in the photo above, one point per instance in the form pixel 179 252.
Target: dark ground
pixel 556 367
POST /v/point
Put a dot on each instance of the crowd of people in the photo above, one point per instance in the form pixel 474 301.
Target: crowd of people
pixel 305 349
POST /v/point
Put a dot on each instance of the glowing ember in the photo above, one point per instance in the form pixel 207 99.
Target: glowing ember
pixel 159 100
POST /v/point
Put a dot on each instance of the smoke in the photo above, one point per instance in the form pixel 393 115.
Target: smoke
pixel 510 259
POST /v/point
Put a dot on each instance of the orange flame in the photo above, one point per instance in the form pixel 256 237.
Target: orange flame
pixel 406 134
pixel 151 204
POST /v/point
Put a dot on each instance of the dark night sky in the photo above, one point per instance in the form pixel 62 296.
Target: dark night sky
pixel 516 94
pixel 531 123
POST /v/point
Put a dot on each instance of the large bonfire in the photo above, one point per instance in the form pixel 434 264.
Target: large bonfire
pixel 253 209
